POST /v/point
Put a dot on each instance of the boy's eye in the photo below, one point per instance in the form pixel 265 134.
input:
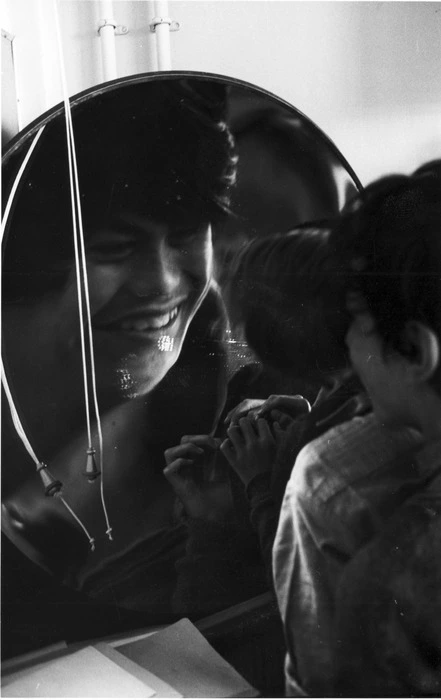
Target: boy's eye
pixel 110 249
pixel 185 237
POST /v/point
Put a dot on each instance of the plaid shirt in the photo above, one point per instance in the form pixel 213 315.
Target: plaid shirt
pixel 388 614
pixel 343 487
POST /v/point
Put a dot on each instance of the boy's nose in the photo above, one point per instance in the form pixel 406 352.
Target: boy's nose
pixel 155 273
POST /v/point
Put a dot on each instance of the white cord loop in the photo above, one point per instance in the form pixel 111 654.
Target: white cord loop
pixel 81 270
pixel 53 487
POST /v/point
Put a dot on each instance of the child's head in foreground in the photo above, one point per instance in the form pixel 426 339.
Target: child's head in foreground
pixel 388 251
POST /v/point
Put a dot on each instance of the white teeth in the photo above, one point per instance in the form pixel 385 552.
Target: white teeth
pixel 153 322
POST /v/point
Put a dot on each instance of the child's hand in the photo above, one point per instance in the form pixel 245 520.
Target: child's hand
pixel 242 409
pixel 188 472
pixel 282 409
pixel 251 447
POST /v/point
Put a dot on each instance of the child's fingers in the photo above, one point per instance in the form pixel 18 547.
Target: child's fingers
pixel 294 405
pixel 228 451
pixel 282 418
pixel 206 441
pixel 236 437
pixel 279 432
pixel 187 450
pixel 242 409
pixel 247 428
pixel 263 429
pixel 173 472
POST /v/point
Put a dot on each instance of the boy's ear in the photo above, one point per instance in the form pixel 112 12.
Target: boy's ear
pixel 426 350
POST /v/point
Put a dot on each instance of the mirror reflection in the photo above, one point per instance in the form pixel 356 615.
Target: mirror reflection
pixel 204 210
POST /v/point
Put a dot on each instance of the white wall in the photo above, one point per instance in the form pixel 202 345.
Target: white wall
pixel 368 73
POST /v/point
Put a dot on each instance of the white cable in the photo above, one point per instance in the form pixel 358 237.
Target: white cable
pixel 89 328
pixel 14 414
pixel 16 418
pixel 20 430
pixel 21 433
pixel 79 288
pixel 91 539
pixel 18 178
pixel 75 230
pixel 77 215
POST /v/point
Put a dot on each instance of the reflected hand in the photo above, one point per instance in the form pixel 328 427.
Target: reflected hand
pixel 282 408
pixel 187 471
pixel 242 409
pixel 251 447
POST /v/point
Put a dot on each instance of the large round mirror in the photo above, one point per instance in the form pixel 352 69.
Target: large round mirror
pixel 112 357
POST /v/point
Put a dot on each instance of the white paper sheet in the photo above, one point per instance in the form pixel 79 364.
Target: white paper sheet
pixel 85 673
pixel 180 655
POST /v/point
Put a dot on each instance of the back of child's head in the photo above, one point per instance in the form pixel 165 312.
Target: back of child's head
pixel 388 249
pixel 277 294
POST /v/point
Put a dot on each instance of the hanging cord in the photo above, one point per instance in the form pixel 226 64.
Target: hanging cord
pixel 18 178
pixel 81 272
pixel 53 487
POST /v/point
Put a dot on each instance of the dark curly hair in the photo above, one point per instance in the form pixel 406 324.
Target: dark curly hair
pixel 387 246
pixel 160 148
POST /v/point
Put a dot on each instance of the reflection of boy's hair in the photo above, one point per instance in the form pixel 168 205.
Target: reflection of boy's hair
pixel 279 293
pixel 388 247
pixel 159 148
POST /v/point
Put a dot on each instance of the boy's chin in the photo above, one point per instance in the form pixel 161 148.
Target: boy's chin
pixel 134 382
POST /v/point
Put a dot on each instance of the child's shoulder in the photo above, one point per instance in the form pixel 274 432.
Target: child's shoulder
pixel 358 438
pixel 405 550
pixel 349 453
